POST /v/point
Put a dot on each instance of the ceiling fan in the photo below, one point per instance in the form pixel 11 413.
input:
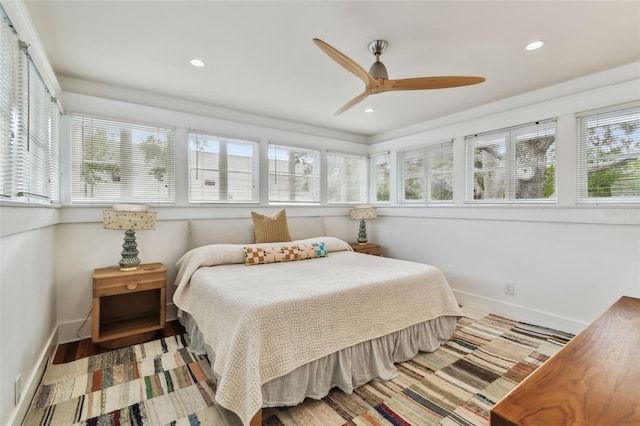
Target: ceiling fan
pixel 377 79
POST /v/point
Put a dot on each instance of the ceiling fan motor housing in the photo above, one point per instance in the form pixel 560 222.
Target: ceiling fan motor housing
pixel 378 70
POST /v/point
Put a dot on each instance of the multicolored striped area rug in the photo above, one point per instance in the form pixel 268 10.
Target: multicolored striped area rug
pixel 162 383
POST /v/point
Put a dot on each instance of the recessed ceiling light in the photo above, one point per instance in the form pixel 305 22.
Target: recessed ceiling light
pixel 196 63
pixel 369 110
pixel 534 45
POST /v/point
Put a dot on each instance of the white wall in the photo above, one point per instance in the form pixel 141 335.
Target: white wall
pixel 28 320
pixel 565 274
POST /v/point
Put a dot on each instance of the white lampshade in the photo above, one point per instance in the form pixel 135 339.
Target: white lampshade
pixel 363 213
pixel 129 220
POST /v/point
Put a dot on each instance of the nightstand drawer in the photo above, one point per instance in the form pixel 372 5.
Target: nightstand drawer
pixel 372 249
pixel 120 285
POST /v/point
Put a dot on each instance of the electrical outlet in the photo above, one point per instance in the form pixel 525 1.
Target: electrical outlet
pixel 509 288
pixel 18 389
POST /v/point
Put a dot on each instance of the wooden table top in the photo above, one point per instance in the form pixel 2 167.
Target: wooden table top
pixel 593 380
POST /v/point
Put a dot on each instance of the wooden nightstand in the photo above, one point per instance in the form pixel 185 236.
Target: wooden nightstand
pixel 128 307
pixel 368 248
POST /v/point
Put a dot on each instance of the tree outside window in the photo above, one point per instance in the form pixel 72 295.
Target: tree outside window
pixel 517 164
pixel 381 173
pixel 114 161
pixel 294 174
pixel 609 149
pixel 427 174
pixel 346 178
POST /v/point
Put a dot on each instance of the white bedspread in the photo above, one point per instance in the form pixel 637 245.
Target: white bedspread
pixel 263 321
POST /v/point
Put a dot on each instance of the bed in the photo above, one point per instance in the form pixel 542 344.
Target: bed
pixel 277 333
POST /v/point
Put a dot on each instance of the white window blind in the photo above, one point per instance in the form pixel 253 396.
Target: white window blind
pixel 29 116
pixel 512 165
pixel 609 155
pixel 294 175
pixel 223 170
pixel 38 166
pixel 11 62
pixel 121 162
pixel 427 174
pixel 346 178
pixel 414 175
pixel 380 175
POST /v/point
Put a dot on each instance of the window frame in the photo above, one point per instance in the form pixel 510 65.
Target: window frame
pixel 426 175
pixel 317 176
pixel 30 155
pixel 364 174
pixel 616 114
pixel 129 196
pixel 373 178
pixel 254 173
pixel 511 135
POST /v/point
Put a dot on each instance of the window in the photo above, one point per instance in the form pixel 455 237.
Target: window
pixel 294 175
pixel 609 155
pixel 29 117
pixel 380 174
pixel 223 170
pixel 346 178
pixel 121 162
pixel 427 174
pixel 511 165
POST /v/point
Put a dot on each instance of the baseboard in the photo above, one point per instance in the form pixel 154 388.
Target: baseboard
pixel 68 330
pixel 519 313
pixel 30 387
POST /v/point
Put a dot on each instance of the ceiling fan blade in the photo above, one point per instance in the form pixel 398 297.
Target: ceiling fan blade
pixel 426 83
pixel 346 62
pixel 353 102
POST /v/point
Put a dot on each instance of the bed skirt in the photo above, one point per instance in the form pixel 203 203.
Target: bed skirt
pixel 346 369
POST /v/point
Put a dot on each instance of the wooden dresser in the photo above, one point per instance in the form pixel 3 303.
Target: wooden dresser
pixel 593 380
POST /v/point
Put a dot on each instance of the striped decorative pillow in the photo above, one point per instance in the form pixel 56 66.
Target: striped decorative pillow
pixel 271 229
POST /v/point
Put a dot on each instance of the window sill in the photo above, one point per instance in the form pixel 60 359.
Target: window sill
pixel 34 203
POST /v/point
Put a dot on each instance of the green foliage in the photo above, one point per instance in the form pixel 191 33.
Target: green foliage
pixel 102 158
pixel 99 160
pixel 382 184
pixel 600 182
pixel 609 146
pixel 382 191
pixel 305 161
pixel 154 151
pixel 549 182
pixel 413 189
pixel 628 183
pixel 441 190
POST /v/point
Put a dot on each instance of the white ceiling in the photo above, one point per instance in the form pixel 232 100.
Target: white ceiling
pixel 261 59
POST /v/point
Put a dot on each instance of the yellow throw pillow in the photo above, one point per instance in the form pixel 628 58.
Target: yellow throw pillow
pixel 271 229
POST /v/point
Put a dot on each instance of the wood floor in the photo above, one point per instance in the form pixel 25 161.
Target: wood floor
pixel 83 348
